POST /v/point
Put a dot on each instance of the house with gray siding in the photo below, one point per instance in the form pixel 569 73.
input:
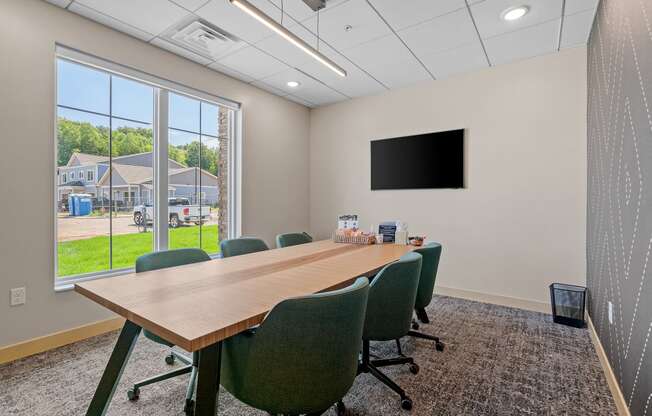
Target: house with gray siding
pixel 129 181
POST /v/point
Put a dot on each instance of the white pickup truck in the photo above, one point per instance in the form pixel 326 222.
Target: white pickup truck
pixel 179 209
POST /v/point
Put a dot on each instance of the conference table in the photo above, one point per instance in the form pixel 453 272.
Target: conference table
pixel 197 306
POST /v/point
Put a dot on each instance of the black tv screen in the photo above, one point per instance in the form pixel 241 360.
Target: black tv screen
pixel 431 160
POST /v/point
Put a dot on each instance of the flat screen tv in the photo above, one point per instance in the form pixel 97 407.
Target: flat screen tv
pixel 424 161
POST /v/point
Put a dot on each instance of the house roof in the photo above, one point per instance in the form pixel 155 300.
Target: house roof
pixel 86 159
pixel 137 175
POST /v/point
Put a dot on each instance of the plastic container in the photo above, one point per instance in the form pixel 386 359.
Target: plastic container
pixel 568 304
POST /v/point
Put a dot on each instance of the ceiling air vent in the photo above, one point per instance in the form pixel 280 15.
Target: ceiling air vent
pixel 202 38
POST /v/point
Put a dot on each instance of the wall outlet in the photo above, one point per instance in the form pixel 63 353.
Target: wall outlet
pixel 611 313
pixel 17 296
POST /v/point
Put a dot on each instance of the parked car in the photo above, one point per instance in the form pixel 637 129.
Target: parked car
pixel 179 209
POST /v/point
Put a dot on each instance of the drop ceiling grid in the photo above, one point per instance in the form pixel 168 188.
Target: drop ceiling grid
pixel 443 37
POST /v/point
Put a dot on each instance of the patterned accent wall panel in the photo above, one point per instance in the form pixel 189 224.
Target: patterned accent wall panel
pixel 620 192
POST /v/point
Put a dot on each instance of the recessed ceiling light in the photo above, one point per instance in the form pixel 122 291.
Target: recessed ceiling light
pixel 293 84
pixel 515 13
pixel 348 28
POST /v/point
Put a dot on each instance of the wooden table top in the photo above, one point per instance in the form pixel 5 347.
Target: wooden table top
pixel 199 304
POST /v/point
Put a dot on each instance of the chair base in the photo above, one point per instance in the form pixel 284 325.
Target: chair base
pixel 190 368
pixel 372 366
pixel 423 317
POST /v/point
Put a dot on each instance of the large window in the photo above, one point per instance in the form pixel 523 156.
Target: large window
pixel 109 126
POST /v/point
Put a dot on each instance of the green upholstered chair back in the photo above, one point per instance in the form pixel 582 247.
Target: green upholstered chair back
pixel 292 239
pixel 391 299
pixel 242 245
pixel 165 259
pixel 170 258
pixel 431 253
pixel 304 356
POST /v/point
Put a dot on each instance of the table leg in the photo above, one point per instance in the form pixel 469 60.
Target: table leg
pixel 208 380
pixel 113 371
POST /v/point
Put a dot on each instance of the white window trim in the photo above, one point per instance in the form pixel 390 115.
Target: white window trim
pixel 160 84
pixel 90 174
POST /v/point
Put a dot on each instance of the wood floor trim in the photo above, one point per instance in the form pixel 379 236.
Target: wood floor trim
pixel 527 304
pixel 58 339
pixel 617 394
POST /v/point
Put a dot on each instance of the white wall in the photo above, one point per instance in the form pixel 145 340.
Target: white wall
pixel 520 223
pixel 275 155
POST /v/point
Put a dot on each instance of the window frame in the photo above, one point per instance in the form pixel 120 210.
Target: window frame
pixel 90 175
pixel 162 87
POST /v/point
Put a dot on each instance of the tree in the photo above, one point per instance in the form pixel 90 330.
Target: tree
pixel 208 157
pixel 83 137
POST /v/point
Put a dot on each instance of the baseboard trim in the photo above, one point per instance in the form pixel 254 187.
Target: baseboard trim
pixel 58 339
pixel 527 304
pixel 621 404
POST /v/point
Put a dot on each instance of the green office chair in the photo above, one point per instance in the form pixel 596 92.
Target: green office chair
pixel 243 245
pixel 389 315
pixel 292 239
pixel 303 357
pixel 431 253
pixel 161 260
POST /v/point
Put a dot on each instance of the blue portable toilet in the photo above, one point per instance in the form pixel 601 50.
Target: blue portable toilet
pixel 72 202
pixel 84 205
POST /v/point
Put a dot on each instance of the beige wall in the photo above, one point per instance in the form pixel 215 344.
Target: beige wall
pixel 275 155
pixel 520 223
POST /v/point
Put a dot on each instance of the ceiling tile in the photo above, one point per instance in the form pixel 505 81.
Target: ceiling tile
pixel 487 15
pixel 440 34
pixel 389 61
pixel 524 43
pixel 356 83
pixel 191 5
pixel 299 100
pixel 284 51
pixel 365 25
pixel 455 61
pixel 399 16
pixel 164 44
pixel 269 88
pixel 152 16
pixel 109 21
pixel 230 72
pixel 60 3
pixel 309 89
pixel 574 6
pixel 252 62
pixel 296 9
pixel 228 17
pixel 577 28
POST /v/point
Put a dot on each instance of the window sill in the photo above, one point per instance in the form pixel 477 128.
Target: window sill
pixel 68 284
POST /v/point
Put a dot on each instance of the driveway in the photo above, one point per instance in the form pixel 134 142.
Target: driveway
pixel 77 228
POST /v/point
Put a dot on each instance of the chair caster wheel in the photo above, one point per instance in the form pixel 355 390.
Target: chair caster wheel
pixel 189 408
pixel 439 346
pixel 406 403
pixel 414 368
pixel 341 410
pixel 133 394
pixel 169 359
pixel 415 325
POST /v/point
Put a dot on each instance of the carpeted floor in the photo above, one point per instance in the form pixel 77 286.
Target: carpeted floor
pixel 497 361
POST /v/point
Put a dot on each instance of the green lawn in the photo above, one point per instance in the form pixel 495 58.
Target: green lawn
pixel 92 254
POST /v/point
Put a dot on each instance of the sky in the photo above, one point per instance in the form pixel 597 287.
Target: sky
pixel 88 89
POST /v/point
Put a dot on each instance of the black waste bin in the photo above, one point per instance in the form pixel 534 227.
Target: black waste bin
pixel 568 304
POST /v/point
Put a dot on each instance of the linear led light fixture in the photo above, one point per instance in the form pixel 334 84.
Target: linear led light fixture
pixel 254 12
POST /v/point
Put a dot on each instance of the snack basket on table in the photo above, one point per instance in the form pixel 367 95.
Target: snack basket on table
pixel 353 236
